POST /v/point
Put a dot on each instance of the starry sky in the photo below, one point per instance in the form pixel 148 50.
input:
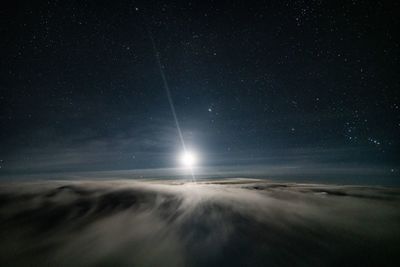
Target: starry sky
pixel 288 86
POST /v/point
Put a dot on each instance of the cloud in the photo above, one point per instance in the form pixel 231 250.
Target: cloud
pixel 150 145
pixel 233 222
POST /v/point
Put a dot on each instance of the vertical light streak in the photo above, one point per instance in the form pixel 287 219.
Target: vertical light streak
pixel 170 100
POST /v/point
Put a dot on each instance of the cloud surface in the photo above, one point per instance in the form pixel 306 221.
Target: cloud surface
pixel 234 222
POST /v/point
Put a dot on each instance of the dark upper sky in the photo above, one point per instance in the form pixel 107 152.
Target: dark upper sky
pixel 255 83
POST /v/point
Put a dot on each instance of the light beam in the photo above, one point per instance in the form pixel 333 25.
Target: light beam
pixel 170 100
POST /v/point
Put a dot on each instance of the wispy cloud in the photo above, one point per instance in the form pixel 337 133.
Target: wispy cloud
pixel 153 223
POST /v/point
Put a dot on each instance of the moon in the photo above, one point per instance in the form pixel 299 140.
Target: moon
pixel 188 159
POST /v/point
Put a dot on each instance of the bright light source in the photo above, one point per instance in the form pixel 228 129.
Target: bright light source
pixel 188 159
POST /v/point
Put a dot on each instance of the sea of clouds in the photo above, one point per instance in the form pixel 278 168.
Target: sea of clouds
pixel 230 222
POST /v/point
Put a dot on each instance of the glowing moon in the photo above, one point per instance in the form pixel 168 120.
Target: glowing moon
pixel 188 159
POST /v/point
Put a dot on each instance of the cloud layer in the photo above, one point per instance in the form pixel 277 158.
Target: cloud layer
pixel 237 222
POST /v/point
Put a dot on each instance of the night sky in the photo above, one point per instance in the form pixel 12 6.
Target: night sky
pixel 298 87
